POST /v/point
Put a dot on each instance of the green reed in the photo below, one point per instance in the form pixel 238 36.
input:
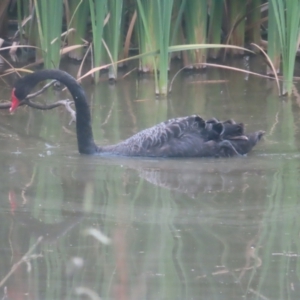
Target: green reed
pixel 146 34
pixel 49 16
pixel 98 11
pixel 254 21
pixel 113 33
pixel 77 13
pixel 162 31
pixel 274 51
pixel 160 26
pixel 195 16
pixel 287 19
pixel 215 25
pixel 177 34
pixel 157 37
pixel 236 21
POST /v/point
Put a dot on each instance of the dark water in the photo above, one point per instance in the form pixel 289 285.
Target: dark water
pixel 124 228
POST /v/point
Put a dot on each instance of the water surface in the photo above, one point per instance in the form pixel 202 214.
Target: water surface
pixel 177 228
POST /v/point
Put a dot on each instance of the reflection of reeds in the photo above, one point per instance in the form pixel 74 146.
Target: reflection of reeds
pixel 177 228
pixel 24 260
pixel 280 226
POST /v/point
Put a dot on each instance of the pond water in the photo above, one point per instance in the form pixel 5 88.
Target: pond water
pixel 80 227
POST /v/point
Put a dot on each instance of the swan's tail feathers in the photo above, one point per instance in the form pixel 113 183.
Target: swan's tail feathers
pixel 227 149
pixel 240 145
pixel 260 134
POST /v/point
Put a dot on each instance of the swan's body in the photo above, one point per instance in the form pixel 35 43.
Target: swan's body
pixel 181 137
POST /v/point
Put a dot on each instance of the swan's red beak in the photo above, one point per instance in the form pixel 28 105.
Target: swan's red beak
pixel 15 102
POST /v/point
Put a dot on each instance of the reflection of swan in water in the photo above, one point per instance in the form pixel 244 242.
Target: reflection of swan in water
pixel 186 176
pixel 190 184
pixel 213 178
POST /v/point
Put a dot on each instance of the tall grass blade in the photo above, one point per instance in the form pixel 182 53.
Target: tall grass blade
pixel 254 21
pixel 195 16
pixel 154 33
pixel 162 32
pixel 215 25
pixel 177 34
pixel 145 34
pixel 113 33
pixel 271 66
pixel 77 18
pixel 98 10
pixel 237 10
pixel 49 16
pixel 287 17
pixel 274 48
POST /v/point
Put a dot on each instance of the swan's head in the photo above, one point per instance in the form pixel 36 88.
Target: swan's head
pixel 22 88
pixel 15 101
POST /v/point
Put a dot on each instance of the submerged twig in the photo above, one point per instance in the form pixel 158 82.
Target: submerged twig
pixel 41 90
pixel 80 291
pixel 67 103
pixel 109 114
pixel 29 184
pixel 24 259
pixel 129 72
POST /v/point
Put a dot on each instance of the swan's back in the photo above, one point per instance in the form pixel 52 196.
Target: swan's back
pixel 188 136
pixel 152 141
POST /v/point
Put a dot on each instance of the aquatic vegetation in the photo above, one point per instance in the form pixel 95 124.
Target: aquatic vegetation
pixel 49 20
pixel 158 31
pixel 287 28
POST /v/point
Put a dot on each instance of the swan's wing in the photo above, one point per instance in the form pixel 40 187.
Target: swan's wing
pixel 232 130
pixel 188 145
pixel 229 128
pixel 162 139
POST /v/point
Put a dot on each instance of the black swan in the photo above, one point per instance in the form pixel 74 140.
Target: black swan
pixel 180 137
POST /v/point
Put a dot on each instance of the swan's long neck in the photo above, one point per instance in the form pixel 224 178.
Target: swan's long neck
pixel 85 140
